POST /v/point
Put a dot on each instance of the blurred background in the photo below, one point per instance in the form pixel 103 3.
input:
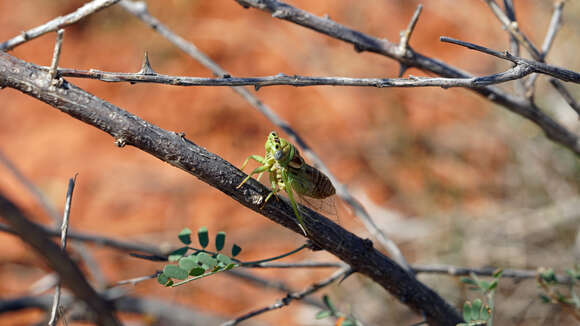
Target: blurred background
pixel 452 178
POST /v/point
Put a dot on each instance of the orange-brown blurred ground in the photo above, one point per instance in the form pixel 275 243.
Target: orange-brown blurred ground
pixel 434 156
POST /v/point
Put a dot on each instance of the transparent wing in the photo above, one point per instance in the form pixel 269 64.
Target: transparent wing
pixel 326 206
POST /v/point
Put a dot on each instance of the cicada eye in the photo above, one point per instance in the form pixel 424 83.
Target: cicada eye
pixel 278 155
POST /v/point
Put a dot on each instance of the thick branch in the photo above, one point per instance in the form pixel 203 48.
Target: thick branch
pixel 175 149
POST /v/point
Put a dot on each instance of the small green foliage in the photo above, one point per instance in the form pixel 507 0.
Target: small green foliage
pixel 203 236
pixel 476 313
pixel 331 311
pixel 164 280
pixel 188 263
pixel 236 250
pixel 185 236
pixel 555 292
pixel 207 261
pixel 174 271
pixel 223 259
pixel 197 271
pixel 220 240
pixel 175 255
pixel 199 264
pixel 479 312
pixel 323 314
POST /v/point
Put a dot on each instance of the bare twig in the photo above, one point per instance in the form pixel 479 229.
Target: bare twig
pixel 489 271
pixel 362 42
pixel 57 23
pixel 64 230
pixel 514 73
pixel 291 297
pixel 139 9
pixel 555 24
pixel 512 27
pixel 58 260
pixel 164 313
pixel 406 34
pixel 514 45
pixel 92 238
pixel 540 67
pixel 566 95
pixel 56 56
pixel 175 149
pixel 31 187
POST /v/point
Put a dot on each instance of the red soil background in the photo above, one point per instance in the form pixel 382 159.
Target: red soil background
pixel 420 152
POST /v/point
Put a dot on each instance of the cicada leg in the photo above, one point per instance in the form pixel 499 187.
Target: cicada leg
pixel 275 187
pixel 259 169
pixel 289 191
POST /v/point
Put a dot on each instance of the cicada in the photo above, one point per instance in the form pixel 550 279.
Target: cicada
pixel 289 172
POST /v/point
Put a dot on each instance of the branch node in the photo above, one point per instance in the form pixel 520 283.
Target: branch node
pixel 120 142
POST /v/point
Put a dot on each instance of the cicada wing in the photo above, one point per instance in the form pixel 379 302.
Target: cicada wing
pixel 325 206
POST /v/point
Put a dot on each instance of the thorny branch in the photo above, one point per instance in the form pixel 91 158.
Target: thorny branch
pixel 362 42
pixel 514 73
pixel 175 149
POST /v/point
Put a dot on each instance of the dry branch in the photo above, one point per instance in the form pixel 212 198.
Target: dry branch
pixel 69 273
pixel 175 149
pixel 362 42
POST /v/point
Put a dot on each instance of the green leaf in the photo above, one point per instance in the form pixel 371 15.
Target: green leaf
pixel 197 271
pixel 220 240
pixel 545 298
pixel 223 259
pixel 469 281
pixel 492 285
pixel 485 312
pixel 323 314
pixel 498 272
pixel 329 304
pixel 188 263
pixel 163 279
pixel 236 250
pixel 548 276
pixel 467 311
pixel 185 236
pixel 476 309
pixel 203 236
pixel 484 285
pixel 176 254
pixel 208 261
pixel 174 271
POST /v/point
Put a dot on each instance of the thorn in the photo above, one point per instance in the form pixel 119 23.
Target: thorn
pixel 227 76
pixel 257 87
pixel 146 66
pixel 402 68
pixel 358 48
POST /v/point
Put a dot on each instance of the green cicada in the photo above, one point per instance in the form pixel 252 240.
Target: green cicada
pixel 289 172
